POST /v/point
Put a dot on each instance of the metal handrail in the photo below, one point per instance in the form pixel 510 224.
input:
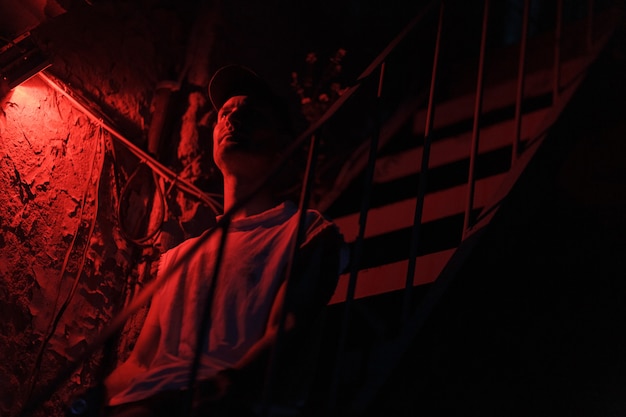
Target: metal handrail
pixel 556 78
pixel 305 195
pixel 421 190
pixel 521 77
pixel 471 182
pixel 358 248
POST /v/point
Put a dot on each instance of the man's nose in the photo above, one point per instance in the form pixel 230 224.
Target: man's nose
pixel 235 118
pixel 232 121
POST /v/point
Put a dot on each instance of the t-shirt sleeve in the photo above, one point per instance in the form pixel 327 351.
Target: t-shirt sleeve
pixel 318 264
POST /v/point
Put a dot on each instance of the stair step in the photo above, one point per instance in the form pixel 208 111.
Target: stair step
pixel 454 148
pixel 452 121
pixel 391 277
pixel 398 167
pixel 437 205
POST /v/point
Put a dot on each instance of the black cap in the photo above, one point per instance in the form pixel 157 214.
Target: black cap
pixel 233 80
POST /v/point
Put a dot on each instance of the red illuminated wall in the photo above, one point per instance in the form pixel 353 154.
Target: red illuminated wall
pixel 58 245
pixel 66 267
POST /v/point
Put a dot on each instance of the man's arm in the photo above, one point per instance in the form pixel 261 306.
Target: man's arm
pixel 311 285
pixel 260 350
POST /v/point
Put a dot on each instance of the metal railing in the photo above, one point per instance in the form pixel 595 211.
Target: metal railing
pixel 422 311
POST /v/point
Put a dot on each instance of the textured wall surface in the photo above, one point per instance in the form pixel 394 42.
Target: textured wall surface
pixel 66 267
pixel 61 261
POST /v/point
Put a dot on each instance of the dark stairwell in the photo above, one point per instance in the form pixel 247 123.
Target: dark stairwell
pixel 534 322
pixel 530 319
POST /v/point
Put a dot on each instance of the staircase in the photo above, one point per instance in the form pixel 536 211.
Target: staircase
pixel 488 119
pixel 397 169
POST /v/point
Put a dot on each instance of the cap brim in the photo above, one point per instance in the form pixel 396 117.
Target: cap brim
pixel 234 80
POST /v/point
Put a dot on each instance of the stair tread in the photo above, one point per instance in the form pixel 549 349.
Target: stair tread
pixel 437 205
pixel 392 276
pixel 454 148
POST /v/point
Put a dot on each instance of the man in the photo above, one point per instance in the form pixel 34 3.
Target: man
pixel 249 294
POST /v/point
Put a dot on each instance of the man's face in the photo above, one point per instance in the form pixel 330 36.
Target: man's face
pixel 246 130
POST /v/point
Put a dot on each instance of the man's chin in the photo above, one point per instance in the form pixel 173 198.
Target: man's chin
pixel 229 139
pixel 234 147
pixel 250 165
pixel 244 146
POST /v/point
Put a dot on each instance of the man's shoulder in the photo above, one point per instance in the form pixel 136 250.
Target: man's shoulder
pixel 319 226
pixel 189 245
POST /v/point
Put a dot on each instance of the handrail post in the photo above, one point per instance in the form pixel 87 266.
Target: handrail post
pixel 590 18
pixel 357 250
pixel 305 194
pixel 476 126
pixel 421 191
pixel 521 77
pixel 203 330
pixel 556 82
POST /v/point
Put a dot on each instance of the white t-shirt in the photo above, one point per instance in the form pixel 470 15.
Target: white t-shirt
pixel 251 272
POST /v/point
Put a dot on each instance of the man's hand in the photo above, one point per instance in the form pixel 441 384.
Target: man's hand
pixel 220 387
pixel 222 395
